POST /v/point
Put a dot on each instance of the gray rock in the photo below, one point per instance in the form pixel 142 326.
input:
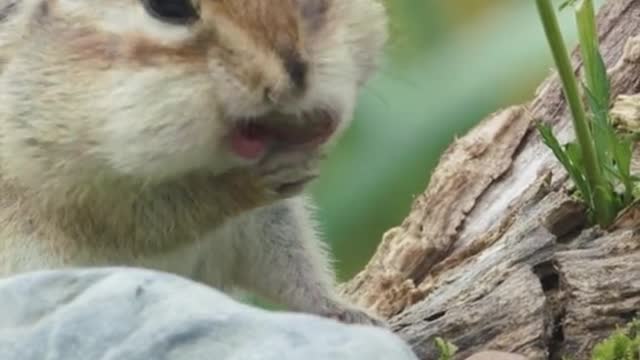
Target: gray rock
pixel 134 314
pixel 495 355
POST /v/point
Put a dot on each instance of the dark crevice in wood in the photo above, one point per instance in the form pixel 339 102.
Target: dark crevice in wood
pixel 557 338
pixel 629 316
pixel 554 305
pixel 423 269
pixel 566 219
pixel 436 316
pixel 549 278
pixel 569 237
pixel 522 145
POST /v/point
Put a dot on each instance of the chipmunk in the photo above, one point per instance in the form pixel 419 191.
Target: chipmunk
pixel 179 135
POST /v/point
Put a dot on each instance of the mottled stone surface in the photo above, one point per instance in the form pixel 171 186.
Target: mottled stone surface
pixel 133 314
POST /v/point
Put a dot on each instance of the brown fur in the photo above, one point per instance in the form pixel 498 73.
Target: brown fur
pixel 116 137
pixel 181 212
pixel 271 25
pixel 80 212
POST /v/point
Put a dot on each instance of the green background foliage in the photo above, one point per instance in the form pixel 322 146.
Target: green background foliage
pixel 449 63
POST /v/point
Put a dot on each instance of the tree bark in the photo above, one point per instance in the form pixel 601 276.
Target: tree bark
pixel 495 254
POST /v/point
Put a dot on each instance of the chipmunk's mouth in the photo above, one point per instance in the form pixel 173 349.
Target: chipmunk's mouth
pixel 252 137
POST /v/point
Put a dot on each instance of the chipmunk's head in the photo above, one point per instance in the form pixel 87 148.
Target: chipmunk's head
pixel 157 88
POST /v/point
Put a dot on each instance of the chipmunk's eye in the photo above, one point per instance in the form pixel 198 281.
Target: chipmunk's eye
pixel 172 11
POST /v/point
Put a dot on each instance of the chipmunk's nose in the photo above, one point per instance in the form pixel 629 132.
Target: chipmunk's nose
pixel 297 69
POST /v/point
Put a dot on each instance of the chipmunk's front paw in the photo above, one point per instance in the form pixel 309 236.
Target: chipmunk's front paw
pixel 349 314
pixel 287 173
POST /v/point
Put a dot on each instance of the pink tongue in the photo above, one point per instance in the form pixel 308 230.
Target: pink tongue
pixel 246 146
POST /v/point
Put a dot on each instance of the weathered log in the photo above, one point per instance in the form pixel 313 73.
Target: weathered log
pixel 495 255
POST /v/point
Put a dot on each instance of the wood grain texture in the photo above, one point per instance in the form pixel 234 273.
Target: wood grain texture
pixel 494 254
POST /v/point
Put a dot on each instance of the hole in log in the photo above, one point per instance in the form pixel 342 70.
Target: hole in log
pixel 554 304
pixel 629 316
pixel 549 278
pixel 550 282
pixel 435 316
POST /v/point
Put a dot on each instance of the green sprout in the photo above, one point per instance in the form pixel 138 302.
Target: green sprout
pixel 599 162
pixel 446 349
pixel 623 344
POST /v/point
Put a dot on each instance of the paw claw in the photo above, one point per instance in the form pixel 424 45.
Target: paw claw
pixel 355 316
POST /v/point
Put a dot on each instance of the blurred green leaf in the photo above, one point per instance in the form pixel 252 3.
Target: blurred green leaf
pixel 439 80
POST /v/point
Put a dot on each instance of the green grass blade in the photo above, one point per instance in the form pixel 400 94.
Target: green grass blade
pixel 565 4
pixel 574 156
pixel 568 162
pixel 623 154
pixel 603 135
pixel 603 209
pixel 610 148
pixel 594 67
